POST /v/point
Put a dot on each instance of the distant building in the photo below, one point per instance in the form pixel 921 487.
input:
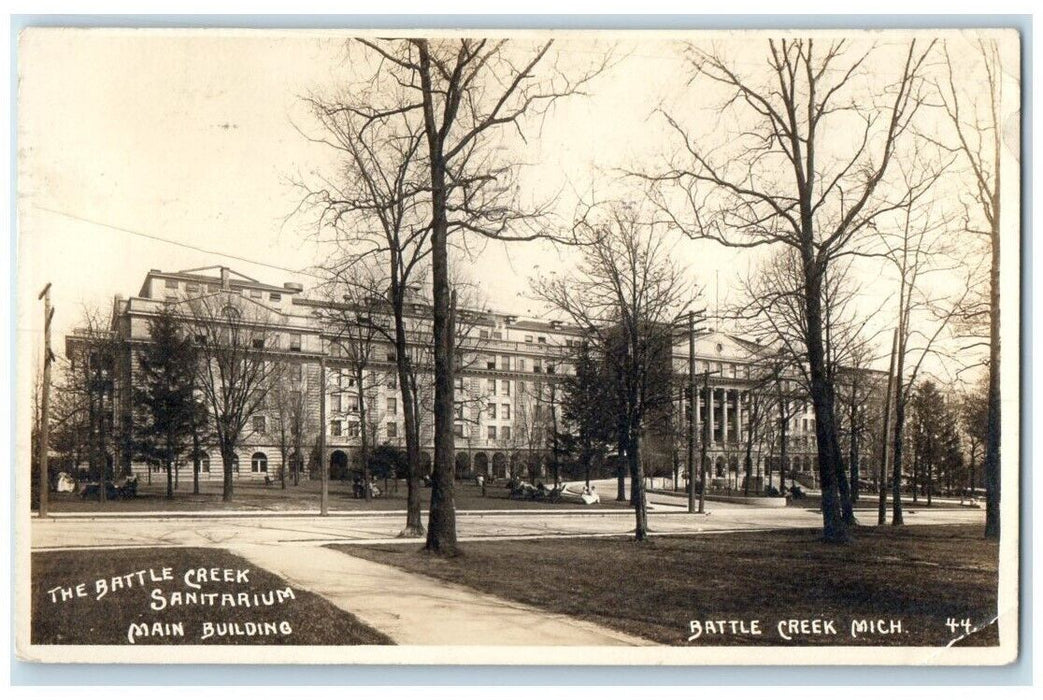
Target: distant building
pixel 506 405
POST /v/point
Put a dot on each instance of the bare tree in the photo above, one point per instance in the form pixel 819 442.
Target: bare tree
pixel 759 402
pixel 90 384
pixel 469 92
pixel 773 307
pixel 916 242
pixel 289 409
pixel 974 416
pixel 351 319
pixel 238 366
pixel 856 386
pixel 376 209
pixel 626 294
pixel 786 177
pixel 975 116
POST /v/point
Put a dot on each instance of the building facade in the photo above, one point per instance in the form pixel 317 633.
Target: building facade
pixel 506 385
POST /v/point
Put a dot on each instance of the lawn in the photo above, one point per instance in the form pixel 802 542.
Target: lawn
pixel 303 619
pixel 253 496
pixel 920 576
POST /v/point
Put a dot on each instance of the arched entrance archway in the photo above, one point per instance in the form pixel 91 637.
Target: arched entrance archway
pixel 500 465
pixel 481 463
pixel 338 465
pixel 463 465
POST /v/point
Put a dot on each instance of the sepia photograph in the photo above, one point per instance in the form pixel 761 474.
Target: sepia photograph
pixel 512 347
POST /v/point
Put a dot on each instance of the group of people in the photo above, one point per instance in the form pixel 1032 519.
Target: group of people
pixel 359 488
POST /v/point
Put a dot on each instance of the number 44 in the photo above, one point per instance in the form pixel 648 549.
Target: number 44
pixel 953 624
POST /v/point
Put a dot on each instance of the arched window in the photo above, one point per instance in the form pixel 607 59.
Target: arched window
pixel 204 463
pixel 259 462
pixel 235 463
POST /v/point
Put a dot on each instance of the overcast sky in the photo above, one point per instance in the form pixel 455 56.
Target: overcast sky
pixel 190 136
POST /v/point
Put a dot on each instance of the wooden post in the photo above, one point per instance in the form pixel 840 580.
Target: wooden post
pixel 45 402
pixel 324 498
pixel 691 418
pixel 703 444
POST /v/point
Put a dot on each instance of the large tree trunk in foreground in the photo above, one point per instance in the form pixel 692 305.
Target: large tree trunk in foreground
pixel 992 436
pixel 834 528
pixel 414 527
pixel 637 487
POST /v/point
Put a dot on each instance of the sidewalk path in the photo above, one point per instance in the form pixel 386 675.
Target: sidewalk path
pixel 414 609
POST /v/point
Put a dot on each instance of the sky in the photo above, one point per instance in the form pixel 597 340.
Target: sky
pixel 170 149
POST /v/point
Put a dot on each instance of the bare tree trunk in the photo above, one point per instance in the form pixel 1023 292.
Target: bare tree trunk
pixel 170 472
pixel 296 462
pixel 748 465
pixel 896 451
pixel 853 458
pixel 227 455
pixel 916 474
pixel 621 467
pixel 637 487
pixel 283 454
pixel 844 487
pixel 783 456
pixel 929 473
pixel 363 428
pixel 195 462
pixel 414 527
pixel 992 435
pixel 834 528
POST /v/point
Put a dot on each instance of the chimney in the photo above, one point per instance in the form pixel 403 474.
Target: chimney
pixel 225 280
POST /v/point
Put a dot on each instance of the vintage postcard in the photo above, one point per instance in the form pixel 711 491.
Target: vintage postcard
pixel 518 347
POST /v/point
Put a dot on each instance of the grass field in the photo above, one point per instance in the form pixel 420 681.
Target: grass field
pixel 920 576
pixel 252 496
pixel 108 620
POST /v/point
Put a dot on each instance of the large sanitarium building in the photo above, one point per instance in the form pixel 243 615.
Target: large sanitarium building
pixel 506 398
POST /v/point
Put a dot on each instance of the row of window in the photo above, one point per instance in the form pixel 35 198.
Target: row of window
pixel 337 429
pixel 349 403
pixel 519 364
pixel 539 340
pixel 198 287
pixel 346 380
pixel 259 342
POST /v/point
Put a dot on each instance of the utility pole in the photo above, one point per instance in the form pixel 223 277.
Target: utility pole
pixel 885 466
pixel 324 498
pixel 703 444
pixel 691 416
pixel 45 400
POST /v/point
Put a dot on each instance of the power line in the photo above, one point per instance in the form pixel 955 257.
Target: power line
pixel 180 244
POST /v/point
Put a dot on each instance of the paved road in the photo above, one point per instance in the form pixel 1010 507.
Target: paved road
pixel 250 529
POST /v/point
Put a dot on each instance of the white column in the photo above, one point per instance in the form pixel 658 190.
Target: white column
pixel 697 412
pixel 710 408
pixel 724 416
pixel 738 416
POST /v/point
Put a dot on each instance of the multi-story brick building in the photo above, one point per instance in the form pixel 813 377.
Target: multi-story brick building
pixel 506 396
